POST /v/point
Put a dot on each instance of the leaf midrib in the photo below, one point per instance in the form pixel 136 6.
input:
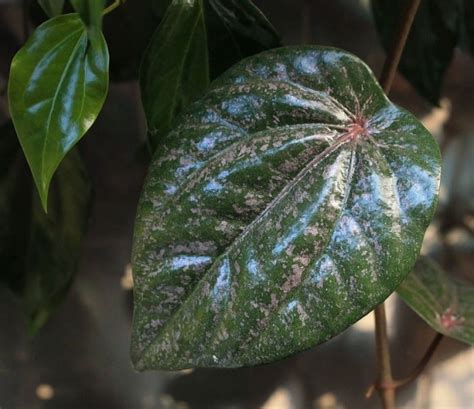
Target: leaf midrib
pixel 54 101
pixel 300 176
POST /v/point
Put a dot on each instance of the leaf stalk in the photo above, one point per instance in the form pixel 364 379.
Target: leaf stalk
pixel 113 6
pixel 385 379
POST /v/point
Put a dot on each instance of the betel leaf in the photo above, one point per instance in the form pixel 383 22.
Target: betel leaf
pixel 445 303
pixel 39 252
pixel 57 86
pixel 430 44
pixel 285 205
pixel 236 29
pixel 52 7
pixel 196 41
pixel 174 69
pixel 90 11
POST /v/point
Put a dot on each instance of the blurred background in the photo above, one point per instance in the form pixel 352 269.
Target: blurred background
pixel 80 359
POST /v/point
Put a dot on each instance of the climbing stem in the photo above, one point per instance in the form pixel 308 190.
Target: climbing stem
pixel 396 50
pixel 419 368
pixel 422 364
pixel 113 6
pixel 384 384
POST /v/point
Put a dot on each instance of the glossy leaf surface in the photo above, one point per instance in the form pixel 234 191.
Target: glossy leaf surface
pixel 175 67
pixel 285 204
pixel 52 8
pixel 439 27
pixel 196 41
pixel 57 86
pixel 445 303
pixel 39 252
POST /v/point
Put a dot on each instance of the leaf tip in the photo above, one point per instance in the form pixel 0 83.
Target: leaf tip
pixel 43 190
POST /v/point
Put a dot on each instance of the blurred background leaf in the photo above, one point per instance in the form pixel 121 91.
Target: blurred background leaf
pixel 445 303
pixel 39 252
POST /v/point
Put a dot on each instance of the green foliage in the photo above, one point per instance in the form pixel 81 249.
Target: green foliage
pixel 285 204
pixel 175 66
pixel 439 27
pixel 195 42
pixel 39 252
pixel 57 86
pixel 445 303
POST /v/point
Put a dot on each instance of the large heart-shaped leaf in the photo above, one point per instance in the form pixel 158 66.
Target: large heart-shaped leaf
pixel 286 204
pixel 445 303
pixel 57 86
pixel 39 252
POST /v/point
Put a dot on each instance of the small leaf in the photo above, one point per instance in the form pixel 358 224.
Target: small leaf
pixel 284 205
pixel 236 29
pixel 90 11
pixel 430 44
pixel 39 252
pixel 175 66
pixel 52 8
pixel 445 303
pixel 58 84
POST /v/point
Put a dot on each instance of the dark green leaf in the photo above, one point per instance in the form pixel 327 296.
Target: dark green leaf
pixel 90 12
pixel 444 302
pixel 39 252
pixel 58 84
pixel 52 7
pixel 196 42
pixel 285 205
pixel 430 45
pixel 175 66
pixel 236 29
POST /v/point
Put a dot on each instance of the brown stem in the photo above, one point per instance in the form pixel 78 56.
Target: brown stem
pixel 384 369
pixel 422 364
pixel 385 381
pixel 395 52
pixel 420 367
